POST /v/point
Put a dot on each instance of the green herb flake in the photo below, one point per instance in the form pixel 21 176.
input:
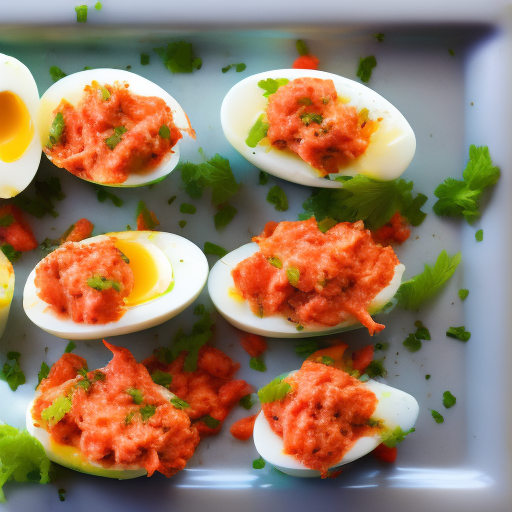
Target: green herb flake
pixel 129 417
pixel 379 36
pixel 239 67
pixel 11 372
pixel 81 13
pixel 144 61
pixel 182 223
pixel 164 132
pixel 10 253
pixel 311 117
pixel 171 200
pixel 412 343
pixel 451 52
pixel 459 333
pixel 216 250
pixel 98 6
pixel 274 390
pixel 293 275
pixel 43 203
pixel 99 376
pixel 142 209
pixel 427 376
pixel 258 463
pixel 326 224
pixel 257 363
pixel 247 401
pixel 70 347
pixel 270 85
pixel 384 345
pixel 448 399
pixel 257 132
pixel 328 361
pixel 277 197
pixel 209 421
pixel 422 333
pixel 101 283
pixel 275 262
pixel 55 412
pixel 162 378
pixel 56 73
pixel 376 369
pixel 146 412
pixel 179 403
pixel 178 57
pixel 461 198
pixel 306 348
pixel 103 194
pixel 56 130
pixel 479 235
pixel 463 293
pixel 438 418
pixel 136 394
pixel 414 292
pixel 43 373
pixel 263 180
pixel 187 208
pixel 302 47
pixel 366 65
pixel 199 309
pixel 392 437
pixel 116 138
pixel 62 494
pixel 224 216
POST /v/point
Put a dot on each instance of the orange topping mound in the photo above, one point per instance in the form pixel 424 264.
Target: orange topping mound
pixel 84 148
pixel 322 416
pixel 313 277
pixel 87 282
pixel 109 425
pixel 14 229
pixel 306 117
pixel 209 390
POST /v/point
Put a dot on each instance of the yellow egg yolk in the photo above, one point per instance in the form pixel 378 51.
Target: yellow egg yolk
pixel 16 127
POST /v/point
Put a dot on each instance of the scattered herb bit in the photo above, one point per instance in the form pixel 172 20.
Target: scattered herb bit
pixel 99 375
pixel 293 275
pixel 182 223
pixel 328 361
pixel 56 73
pixel 274 390
pixel 136 394
pixel 306 348
pixel 164 132
pixel 209 421
pixel 103 194
pixel 247 401
pixel 392 437
pixel 147 218
pixel 422 333
pixel 381 345
pixel 199 309
pixel 311 117
pixel 376 369
pixel 277 197
pixel 275 262
pixel 270 85
pixel 43 373
pixel 302 47
pixel 171 200
pixel 459 333
pixel 299 327
pixel 179 403
pixel 448 399
pixel 105 93
pixel 479 235
pixel 461 198
pixel 257 132
pixel 257 363
pixel 258 463
pixel 146 412
pixel 451 52
pixel 463 293
pixel 437 417
pixel 224 216
pixel 42 204
pixel 187 208
pixel 412 343
pixel 263 178
pixel 129 417
pixel 70 347
pixel 10 253
pixel 366 65
pixel 427 376
pixel 11 372
pixel 81 13
pixel 178 57
pixel 379 36
pixel 144 59
pixel 56 130
pixel 62 494
pixel 116 138
pixel 101 283
pixel 162 378
pixel 55 412
pixel 238 67
pixel 216 250
pixel 415 291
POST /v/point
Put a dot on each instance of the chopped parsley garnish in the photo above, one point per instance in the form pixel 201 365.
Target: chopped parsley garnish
pixel 427 376
pixel 238 67
pixel 42 204
pixel 70 347
pixel 461 198
pixel 62 494
pixel 224 216
pixel 105 93
pixel 98 6
pixel 81 13
pixel 379 36
pixel 302 47
pixel 215 173
pixel 328 361
pixel 136 394
pixel 56 73
pixel 144 60
pixel 384 345
pixel 306 348
pixel 311 117
pixel 438 418
pixel 392 437
pixel 463 293
pixel 199 309
pixel 415 291
pixel 376 369
pixel 263 178
pixel 10 253
pixel 412 343
pixel 270 85
pixel 366 65
pixel 162 378
pixel 448 399
pixel 164 132
pixel 209 421
pixel 277 196
pixel 275 262
pixel 187 208
pixel 362 198
pixel 422 333
pixel 247 401
pixel 178 57
pixel 257 132
pixel 103 194
pixel 274 390
pixel 451 52
pixel 55 412
pixel 56 130
pixel 479 235
pixel 129 417
pixel 182 223
pixel 11 372
pixel 293 275
pixel 257 363
pixel 258 463
pixel 101 283
pixel 43 373
pixel 147 411
pixel 459 333
pixel 179 403
pixel 116 138
pixel 142 209
pixel 216 250
pixel 171 200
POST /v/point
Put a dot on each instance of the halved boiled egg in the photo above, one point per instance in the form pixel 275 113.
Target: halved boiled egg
pixel 395 408
pixel 391 145
pixel 237 311
pixel 20 150
pixel 169 272
pixel 6 289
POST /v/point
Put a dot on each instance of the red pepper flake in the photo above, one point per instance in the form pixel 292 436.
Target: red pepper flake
pixel 385 454
pixel 306 62
pixel 15 231
pixel 243 429
pixel 362 358
pixel 82 229
pixel 254 345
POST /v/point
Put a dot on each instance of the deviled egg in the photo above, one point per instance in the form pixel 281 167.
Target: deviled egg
pixel 20 149
pixel 6 290
pixel 389 151
pixel 168 270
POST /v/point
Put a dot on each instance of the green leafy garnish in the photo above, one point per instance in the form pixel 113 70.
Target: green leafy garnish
pixel 383 345
pixel 171 200
pixel 302 47
pixel 224 216
pixel 412 343
pixel 216 250
pixel 275 262
pixel 461 198
pixel 103 194
pixel 116 138
pixel 42 204
pixel 463 293
pixel 56 73
pixel 55 412
pixel 437 417
pixel 306 348
pixel 376 369
pixel 188 208
pixel 311 117
pixel 164 132
pixel 293 275
pixel 178 57
pixel 459 333
pixel 257 363
pixel 144 59
pixel 427 376
pixel 247 401
pixel 366 65
pixel 142 209
pixel 98 6
pixel 70 347
pixel 146 412
pixel 62 494
pixel 258 463
pixel 182 223
pixel 277 197
pixel 479 235
pixel 448 399
pixel 415 291
pixel 263 178
pixel 274 390
pixel 22 458
pixel 209 421
pixel 56 130
pixel 10 253
pixel 129 417
pixel 422 333
pixel 136 394
pixel 392 437
pixel 270 85
pixel 11 372
pixel 179 403
pixel 162 378
pixel 257 132
pixel 43 373
pixel 238 67
pixel 451 52
pixel 379 36
pixel 81 13
pixel 101 283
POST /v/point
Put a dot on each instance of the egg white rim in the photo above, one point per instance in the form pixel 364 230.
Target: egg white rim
pixel 138 85
pixel 244 103
pixel 190 272
pixel 30 96
pixel 238 312
pixel 395 408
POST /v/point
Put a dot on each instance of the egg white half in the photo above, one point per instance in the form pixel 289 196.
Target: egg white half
pixel 190 271
pixel 395 408
pixel 16 78
pixel 71 88
pixel 391 147
pixel 6 290
pixel 238 312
